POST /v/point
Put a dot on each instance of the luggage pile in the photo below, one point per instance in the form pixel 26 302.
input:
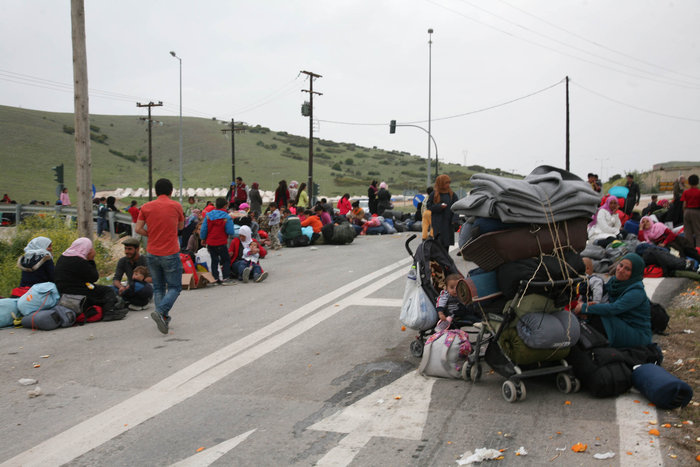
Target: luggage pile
pixel 525 237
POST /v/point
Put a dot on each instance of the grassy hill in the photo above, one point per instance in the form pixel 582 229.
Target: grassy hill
pixel 34 141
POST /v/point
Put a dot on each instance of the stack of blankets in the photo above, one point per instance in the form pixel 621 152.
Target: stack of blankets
pixel 531 229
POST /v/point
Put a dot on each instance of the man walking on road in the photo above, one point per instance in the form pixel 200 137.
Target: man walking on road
pixel 163 218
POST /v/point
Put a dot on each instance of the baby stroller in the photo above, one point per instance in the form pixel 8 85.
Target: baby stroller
pixel 519 362
pixel 433 264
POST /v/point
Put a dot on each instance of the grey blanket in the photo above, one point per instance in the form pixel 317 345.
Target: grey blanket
pixel 545 195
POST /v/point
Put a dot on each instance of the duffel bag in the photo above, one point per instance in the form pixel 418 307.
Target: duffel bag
pixel 48 320
pixel 444 354
pixel 42 296
pixel 603 370
pixel 343 234
pixel 8 311
pixel 549 330
pixel 514 347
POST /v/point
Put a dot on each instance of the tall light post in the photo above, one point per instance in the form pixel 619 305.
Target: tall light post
pixel 180 60
pixel 430 97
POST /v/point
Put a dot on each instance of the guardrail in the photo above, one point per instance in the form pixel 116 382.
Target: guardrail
pixel 20 211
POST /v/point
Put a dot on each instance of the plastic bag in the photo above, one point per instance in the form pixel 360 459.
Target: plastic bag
pixel 417 311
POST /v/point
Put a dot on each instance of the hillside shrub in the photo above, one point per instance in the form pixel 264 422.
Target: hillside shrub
pixel 337 166
pixel 95 128
pixel 361 155
pixel 321 155
pixel 349 161
pixel 68 129
pixel 101 139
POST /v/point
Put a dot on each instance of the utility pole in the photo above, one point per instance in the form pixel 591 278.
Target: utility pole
pixel 310 184
pixel 567 123
pixel 150 146
pixel 83 162
pixel 233 131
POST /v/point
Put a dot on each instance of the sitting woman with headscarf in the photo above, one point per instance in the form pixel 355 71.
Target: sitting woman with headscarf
pixel 605 226
pixel 626 319
pixel 37 262
pixel 76 273
pixel 235 251
pixel 442 219
pixel 658 234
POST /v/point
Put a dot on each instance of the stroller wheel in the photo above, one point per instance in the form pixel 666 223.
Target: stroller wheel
pixel 417 348
pixel 577 385
pixel 564 383
pixel 509 392
pixel 475 373
pixel 522 393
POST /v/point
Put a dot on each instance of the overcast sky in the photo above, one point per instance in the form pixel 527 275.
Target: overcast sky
pixel 634 67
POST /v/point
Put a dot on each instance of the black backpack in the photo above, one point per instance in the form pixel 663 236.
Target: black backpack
pixel 659 318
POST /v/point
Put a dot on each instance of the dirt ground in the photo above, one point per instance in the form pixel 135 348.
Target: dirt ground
pixel 681 347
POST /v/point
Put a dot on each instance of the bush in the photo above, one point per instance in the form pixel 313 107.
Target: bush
pixel 349 161
pixel 95 128
pixel 68 129
pixel 60 234
pixel 336 166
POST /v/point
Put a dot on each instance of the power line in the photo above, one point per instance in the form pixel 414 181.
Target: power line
pixel 471 112
pixel 536 44
pixel 641 109
pixel 597 44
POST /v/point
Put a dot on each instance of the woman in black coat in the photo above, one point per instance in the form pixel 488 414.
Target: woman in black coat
pixel 440 205
pixel 76 273
pixel 383 199
pixel 36 263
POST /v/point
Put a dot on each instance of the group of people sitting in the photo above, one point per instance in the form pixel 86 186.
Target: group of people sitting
pixel 75 272
pixel 620 309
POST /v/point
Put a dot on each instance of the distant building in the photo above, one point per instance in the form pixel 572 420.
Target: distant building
pixel 664 174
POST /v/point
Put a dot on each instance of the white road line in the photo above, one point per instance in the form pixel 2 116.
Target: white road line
pixel 212 454
pixel 187 382
pixel 390 302
pixel 398 410
pixel 632 422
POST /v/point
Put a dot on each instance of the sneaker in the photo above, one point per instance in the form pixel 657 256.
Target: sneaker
pixel 261 277
pixel 160 321
pixel 227 282
pixel 246 275
pixel 137 307
pixel 216 282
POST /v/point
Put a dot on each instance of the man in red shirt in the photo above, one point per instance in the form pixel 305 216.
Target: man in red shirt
pixel 691 211
pixel 163 218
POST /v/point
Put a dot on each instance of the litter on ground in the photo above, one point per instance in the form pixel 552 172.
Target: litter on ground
pixel 480 455
pixel 604 455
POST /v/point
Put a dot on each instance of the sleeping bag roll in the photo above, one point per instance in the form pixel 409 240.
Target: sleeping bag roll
pixel 661 387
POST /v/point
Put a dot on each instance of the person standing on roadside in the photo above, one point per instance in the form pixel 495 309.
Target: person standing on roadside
pixel 440 205
pixel 691 211
pixel 632 196
pixel 163 218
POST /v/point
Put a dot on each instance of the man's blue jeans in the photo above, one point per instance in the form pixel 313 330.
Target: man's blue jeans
pixel 166 272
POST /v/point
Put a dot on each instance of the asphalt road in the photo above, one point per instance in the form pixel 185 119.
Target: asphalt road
pixel 307 368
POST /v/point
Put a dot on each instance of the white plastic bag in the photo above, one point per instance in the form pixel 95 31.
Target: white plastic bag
pixel 417 311
pixel 444 354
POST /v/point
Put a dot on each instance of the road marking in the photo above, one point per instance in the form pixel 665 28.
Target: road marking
pixel 192 379
pixel 632 422
pixel 390 302
pixel 398 410
pixel 212 454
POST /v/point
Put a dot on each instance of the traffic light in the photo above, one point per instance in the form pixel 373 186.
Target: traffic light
pixel 58 175
pixel 392 127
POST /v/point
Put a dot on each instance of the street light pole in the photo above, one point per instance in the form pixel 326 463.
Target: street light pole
pixel 430 96
pixel 180 60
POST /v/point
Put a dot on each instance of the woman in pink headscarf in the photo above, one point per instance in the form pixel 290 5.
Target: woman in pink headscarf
pixel 605 226
pixel 76 273
pixel 658 234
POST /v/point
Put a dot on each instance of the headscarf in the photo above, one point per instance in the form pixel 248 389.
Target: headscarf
pixel 255 185
pixel 605 206
pixel 37 247
pixel 244 206
pixel 80 247
pixel 247 235
pixel 441 187
pixel 655 232
pixel 617 287
pixel 383 185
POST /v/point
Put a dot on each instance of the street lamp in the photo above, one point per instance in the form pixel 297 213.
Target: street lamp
pixel 180 60
pixel 430 96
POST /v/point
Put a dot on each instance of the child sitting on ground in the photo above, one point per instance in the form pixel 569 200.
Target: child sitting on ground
pixel 139 292
pixel 593 291
pixel 251 255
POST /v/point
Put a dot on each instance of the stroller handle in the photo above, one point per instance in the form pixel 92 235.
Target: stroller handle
pixel 408 248
pixel 548 285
